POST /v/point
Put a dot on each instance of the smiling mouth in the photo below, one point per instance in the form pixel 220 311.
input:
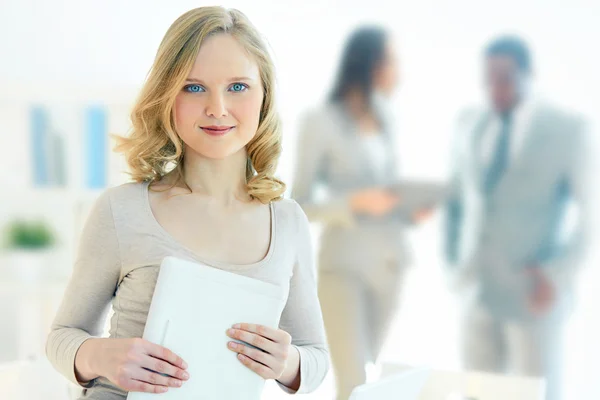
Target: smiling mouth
pixel 217 130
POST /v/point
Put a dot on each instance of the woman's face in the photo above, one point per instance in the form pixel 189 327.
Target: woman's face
pixel 386 74
pixel 218 109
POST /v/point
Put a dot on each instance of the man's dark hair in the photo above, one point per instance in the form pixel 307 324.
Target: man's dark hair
pixel 513 47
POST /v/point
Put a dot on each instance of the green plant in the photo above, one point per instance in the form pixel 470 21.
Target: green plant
pixel 29 235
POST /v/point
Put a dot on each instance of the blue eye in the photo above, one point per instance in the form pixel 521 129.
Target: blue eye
pixel 238 87
pixel 194 88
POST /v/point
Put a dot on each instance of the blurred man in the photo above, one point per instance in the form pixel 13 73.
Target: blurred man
pixel 520 164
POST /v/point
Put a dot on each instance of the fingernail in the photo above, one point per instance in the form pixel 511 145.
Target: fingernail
pixel 233 345
pixel 230 331
pixel 184 365
pixel 162 389
pixel 237 326
pixel 186 375
pixel 178 383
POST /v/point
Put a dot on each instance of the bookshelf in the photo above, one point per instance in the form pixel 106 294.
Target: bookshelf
pixel 56 183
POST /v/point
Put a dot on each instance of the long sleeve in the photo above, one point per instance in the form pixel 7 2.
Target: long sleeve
pixel 313 143
pixel 302 317
pixel 92 285
pixel 453 220
pixel 563 268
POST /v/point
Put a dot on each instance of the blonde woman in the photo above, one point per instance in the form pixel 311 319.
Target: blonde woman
pixel 203 151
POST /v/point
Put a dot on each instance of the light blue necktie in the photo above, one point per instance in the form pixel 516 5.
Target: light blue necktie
pixel 499 161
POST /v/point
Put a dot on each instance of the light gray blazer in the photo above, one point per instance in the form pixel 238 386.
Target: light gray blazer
pixel 492 239
pixel 332 162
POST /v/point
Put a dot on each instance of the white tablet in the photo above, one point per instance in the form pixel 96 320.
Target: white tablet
pixel 192 307
pixel 403 386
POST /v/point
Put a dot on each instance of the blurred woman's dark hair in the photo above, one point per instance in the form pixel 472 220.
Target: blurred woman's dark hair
pixel 362 54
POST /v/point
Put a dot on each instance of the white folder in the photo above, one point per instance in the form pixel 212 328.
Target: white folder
pixel 192 307
pixel 418 195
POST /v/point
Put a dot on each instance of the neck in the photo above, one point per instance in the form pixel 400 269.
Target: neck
pixel 357 104
pixel 222 179
pixel 516 104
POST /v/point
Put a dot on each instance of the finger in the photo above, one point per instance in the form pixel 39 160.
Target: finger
pixel 275 335
pixel 156 379
pixel 258 368
pixel 165 368
pixel 253 339
pixel 256 355
pixel 139 386
pixel 165 354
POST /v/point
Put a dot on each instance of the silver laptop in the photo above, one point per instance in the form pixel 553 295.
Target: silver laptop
pixel 403 386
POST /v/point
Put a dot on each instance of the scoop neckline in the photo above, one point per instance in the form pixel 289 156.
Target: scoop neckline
pixel 204 260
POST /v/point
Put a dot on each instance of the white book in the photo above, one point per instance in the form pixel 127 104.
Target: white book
pixel 192 307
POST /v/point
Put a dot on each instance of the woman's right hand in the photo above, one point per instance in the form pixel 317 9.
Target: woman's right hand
pixel 375 202
pixel 134 365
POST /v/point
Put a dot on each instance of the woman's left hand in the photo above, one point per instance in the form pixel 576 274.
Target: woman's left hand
pixel 274 356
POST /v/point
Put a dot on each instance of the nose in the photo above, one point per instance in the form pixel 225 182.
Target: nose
pixel 216 106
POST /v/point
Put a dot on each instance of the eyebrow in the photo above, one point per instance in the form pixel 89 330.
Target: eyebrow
pixel 234 79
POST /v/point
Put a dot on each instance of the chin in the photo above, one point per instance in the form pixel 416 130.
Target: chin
pixel 217 153
pixel 214 155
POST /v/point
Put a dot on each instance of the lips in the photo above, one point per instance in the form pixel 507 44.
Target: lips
pixel 214 130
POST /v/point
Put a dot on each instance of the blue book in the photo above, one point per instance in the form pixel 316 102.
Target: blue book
pixel 95 148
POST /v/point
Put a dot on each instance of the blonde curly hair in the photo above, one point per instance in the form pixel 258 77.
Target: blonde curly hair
pixel 154 149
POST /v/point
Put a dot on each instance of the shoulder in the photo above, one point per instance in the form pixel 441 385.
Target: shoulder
pixel 467 120
pixel 465 128
pixel 289 207
pixel 290 210
pixel 561 115
pixel 470 115
pixel 124 194
pixel 120 199
pixel 566 124
pixel 322 118
pixel 323 111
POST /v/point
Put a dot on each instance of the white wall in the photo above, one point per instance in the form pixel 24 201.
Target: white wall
pixel 102 50
pixel 46 44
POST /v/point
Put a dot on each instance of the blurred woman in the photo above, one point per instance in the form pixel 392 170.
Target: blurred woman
pixel 346 148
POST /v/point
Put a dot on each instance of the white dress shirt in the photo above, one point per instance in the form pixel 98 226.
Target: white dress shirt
pixel 375 147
